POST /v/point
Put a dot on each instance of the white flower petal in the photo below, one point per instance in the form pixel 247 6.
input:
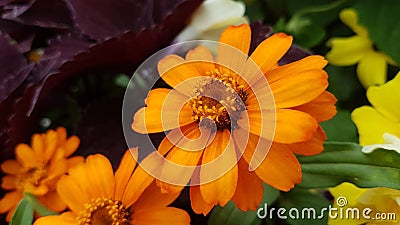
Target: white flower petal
pixel 391 143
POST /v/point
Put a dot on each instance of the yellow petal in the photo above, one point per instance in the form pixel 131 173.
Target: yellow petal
pixel 350 18
pixel 371 69
pixel 348 190
pixel 386 99
pixel 372 125
pixel 348 51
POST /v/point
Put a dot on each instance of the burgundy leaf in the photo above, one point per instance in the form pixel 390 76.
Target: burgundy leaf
pixel 14 68
pixel 121 54
pixel 104 19
pixel 42 13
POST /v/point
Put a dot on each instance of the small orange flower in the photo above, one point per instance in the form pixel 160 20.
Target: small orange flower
pixel 216 114
pixel 37 169
pixel 97 196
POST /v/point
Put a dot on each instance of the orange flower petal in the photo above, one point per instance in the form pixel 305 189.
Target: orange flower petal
pixel 161 216
pixel 67 218
pixel 308 63
pixel 71 145
pixel 280 168
pixel 152 198
pixel 197 202
pixel 232 51
pixel 153 120
pixel 11 213
pixel 321 108
pixel 51 141
pixel 187 154
pixel 73 161
pixel 294 126
pixel 80 176
pixel 201 53
pixel 10 200
pixel 9 182
pixel 25 155
pixel 140 179
pixel 310 147
pixel 174 70
pixel 288 93
pixel 102 174
pixel 38 145
pixel 72 193
pixel 219 190
pixel 53 201
pixel 244 199
pixel 124 171
pixel 271 50
pixel 61 134
pixel 11 166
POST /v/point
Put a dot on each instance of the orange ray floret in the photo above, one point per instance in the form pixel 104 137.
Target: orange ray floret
pixel 96 195
pixel 251 111
pixel 37 168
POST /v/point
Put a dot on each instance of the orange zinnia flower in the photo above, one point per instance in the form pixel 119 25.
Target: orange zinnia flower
pixel 230 93
pixel 97 196
pixel 37 169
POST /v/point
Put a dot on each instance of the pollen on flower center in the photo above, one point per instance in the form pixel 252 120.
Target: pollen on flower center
pixel 104 211
pixel 221 100
pixel 31 177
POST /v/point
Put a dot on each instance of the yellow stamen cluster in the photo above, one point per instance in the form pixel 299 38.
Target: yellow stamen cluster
pixel 104 211
pixel 31 177
pixel 227 79
pixel 220 99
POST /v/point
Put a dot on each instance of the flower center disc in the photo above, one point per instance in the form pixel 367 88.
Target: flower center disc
pixel 104 211
pixel 220 100
pixel 31 177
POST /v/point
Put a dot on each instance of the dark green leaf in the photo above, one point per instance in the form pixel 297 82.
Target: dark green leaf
pixel 23 215
pixel 341 127
pixel 308 203
pixel 38 207
pixel 310 36
pixel 231 215
pixel 344 162
pixel 382 20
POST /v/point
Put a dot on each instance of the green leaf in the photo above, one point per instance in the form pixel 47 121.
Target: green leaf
pixel 231 215
pixel 23 215
pixel 382 20
pixel 344 162
pixel 38 207
pixel 341 127
pixel 308 203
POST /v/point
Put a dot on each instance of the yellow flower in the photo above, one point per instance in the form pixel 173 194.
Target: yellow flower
pixel 383 116
pixel 211 18
pixel 225 108
pixel 383 202
pixel 37 169
pixel 346 51
pixel 98 196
